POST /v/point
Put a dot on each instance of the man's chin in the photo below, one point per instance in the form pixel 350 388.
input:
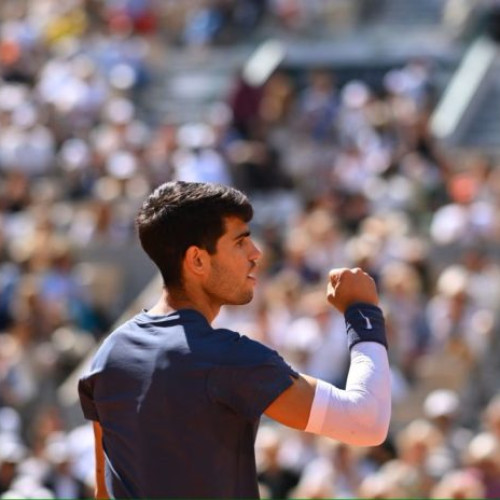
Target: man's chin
pixel 244 299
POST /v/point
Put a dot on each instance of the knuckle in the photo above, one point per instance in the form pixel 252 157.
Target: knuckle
pixel 336 274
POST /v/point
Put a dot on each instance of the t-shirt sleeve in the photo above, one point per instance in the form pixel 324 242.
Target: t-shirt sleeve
pixel 249 387
pixel 86 398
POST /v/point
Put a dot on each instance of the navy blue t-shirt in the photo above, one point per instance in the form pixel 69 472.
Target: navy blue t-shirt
pixel 179 404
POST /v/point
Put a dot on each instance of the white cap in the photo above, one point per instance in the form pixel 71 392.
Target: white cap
pixel 11 450
pixel 10 421
pixel 119 110
pixel 484 447
pixel 75 154
pixel 440 403
pixel 355 94
pixel 121 165
pixel 453 280
pixel 12 96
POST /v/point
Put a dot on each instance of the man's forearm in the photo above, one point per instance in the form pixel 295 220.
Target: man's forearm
pixel 360 414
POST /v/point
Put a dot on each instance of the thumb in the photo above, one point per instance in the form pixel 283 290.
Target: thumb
pixel 330 291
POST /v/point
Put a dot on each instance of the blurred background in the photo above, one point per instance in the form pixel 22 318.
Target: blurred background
pixel 366 133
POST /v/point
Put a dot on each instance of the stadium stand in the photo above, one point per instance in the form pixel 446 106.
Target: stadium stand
pixel 333 135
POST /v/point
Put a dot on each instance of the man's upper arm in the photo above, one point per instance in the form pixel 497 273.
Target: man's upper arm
pixel 293 405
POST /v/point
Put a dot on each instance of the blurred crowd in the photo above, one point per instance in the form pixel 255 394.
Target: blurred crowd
pixel 431 457
pixel 341 173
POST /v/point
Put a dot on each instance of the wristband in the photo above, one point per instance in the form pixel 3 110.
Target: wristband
pixel 364 323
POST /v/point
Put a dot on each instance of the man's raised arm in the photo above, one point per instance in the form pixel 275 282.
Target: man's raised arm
pixel 360 414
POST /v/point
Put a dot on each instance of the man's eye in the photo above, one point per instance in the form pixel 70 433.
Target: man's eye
pixel 239 243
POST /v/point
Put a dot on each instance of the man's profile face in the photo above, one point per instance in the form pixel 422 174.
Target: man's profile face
pixel 232 277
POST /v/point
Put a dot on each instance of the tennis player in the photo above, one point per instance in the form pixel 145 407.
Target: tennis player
pixel 176 403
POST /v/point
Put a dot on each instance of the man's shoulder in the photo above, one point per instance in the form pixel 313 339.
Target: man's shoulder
pixel 242 347
pixel 115 338
pixel 118 331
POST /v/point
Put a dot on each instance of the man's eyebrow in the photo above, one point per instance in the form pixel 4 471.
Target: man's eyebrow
pixel 242 235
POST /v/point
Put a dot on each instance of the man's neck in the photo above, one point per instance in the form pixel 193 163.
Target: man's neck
pixel 174 300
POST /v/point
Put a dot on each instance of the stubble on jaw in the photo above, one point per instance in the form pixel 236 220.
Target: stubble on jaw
pixel 222 288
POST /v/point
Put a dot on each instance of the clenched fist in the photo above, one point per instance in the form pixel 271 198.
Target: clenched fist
pixel 348 286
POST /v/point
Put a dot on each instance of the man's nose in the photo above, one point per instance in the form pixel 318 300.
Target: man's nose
pixel 255 252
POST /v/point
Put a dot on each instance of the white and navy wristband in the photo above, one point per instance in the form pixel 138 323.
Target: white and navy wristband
pixel 364 323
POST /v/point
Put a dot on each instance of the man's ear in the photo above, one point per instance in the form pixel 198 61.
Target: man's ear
pixel 196 260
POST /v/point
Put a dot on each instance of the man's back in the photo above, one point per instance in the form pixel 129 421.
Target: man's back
pixel 179 404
